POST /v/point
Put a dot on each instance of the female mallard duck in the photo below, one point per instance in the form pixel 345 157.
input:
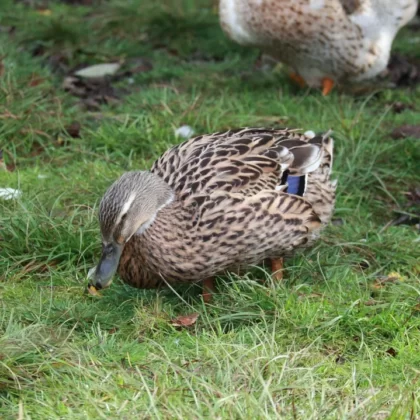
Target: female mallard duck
pixel 216 202
pixel 324 41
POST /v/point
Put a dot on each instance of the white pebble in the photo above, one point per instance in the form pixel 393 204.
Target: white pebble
pixel 184 131
pixel 309 134
pixel 9 193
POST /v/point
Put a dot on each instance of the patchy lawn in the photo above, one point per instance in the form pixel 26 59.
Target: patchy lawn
pixel 338 339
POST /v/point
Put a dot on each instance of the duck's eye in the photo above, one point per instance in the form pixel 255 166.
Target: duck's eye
pixel 123 217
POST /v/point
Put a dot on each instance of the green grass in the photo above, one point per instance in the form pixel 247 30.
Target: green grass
pixel 312 347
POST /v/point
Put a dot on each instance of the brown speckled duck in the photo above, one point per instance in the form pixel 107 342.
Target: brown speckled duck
pixel 325 41
pixel 216 202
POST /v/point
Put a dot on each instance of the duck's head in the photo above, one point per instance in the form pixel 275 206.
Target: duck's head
pixel 128 207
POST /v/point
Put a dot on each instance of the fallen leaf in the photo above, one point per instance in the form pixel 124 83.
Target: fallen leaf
pixel 38 267
pixel 7 29
pixel 310 295
pixel 399 107
pixel 392 352
pixel 185 320
pixel 340 360
pixel 403 71
pixel 405 131
pixel 44 12
pixel 79 2
pixel 93 92
pixel 2 164
pixel 372 302
pixel 36 80
pixel 98 70
pixel 93 291
pixel 73 130
pixel 381 281
pixel 139 65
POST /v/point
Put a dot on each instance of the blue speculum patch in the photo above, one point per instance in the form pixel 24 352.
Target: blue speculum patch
pixel 296 184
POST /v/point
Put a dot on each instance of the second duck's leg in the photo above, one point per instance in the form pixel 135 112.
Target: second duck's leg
pixel 277 268
pixel 327 85
pixel 298 79
pixel 208 289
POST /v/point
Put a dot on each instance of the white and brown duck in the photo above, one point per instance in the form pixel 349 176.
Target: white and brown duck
pixel 325 42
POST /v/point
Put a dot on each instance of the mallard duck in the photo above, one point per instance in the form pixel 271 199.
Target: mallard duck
pixel 325 41
pixel 216 202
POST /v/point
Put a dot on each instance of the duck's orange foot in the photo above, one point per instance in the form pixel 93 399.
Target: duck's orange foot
pixel 298 79
pixel 277 269
pixel 327 85
pixel 208 289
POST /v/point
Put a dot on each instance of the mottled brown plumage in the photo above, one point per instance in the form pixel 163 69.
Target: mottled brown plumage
pixel 220 202
pixel 322 40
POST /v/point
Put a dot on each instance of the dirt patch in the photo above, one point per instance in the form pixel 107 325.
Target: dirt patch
pixel 405 131
pixel 403 71
pixel 409 214
pixel 93 92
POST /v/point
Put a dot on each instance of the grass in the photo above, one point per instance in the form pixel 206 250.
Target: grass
pixel 332 341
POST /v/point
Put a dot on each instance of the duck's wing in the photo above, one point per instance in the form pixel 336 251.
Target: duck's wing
pixel 243 161
pixel 266 224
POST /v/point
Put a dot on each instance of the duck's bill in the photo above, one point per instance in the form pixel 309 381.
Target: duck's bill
pixel 101 276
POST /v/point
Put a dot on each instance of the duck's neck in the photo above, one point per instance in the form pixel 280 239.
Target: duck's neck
pixel 169 199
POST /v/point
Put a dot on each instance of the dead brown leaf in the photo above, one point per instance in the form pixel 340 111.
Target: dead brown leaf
pixel 93 291
pixel 381 281
pixel 93 92
pixel 403 71
pixel 340 360
pixel 399 107
pixel 139 65
pixel 372 302
pixel 36 80
pixel 185 320
pixel 73 130
pixel 38 267
pixel 2 164
pixel 80 2
pixel 310 295
pixel 407 130
pixel 392 352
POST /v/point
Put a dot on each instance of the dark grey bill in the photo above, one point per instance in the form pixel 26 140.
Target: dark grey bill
pixel 107 265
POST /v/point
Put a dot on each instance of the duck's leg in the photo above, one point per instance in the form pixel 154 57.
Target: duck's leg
pixel 208 289
pixel 327 85
pixel 277 268
pixel 297 78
